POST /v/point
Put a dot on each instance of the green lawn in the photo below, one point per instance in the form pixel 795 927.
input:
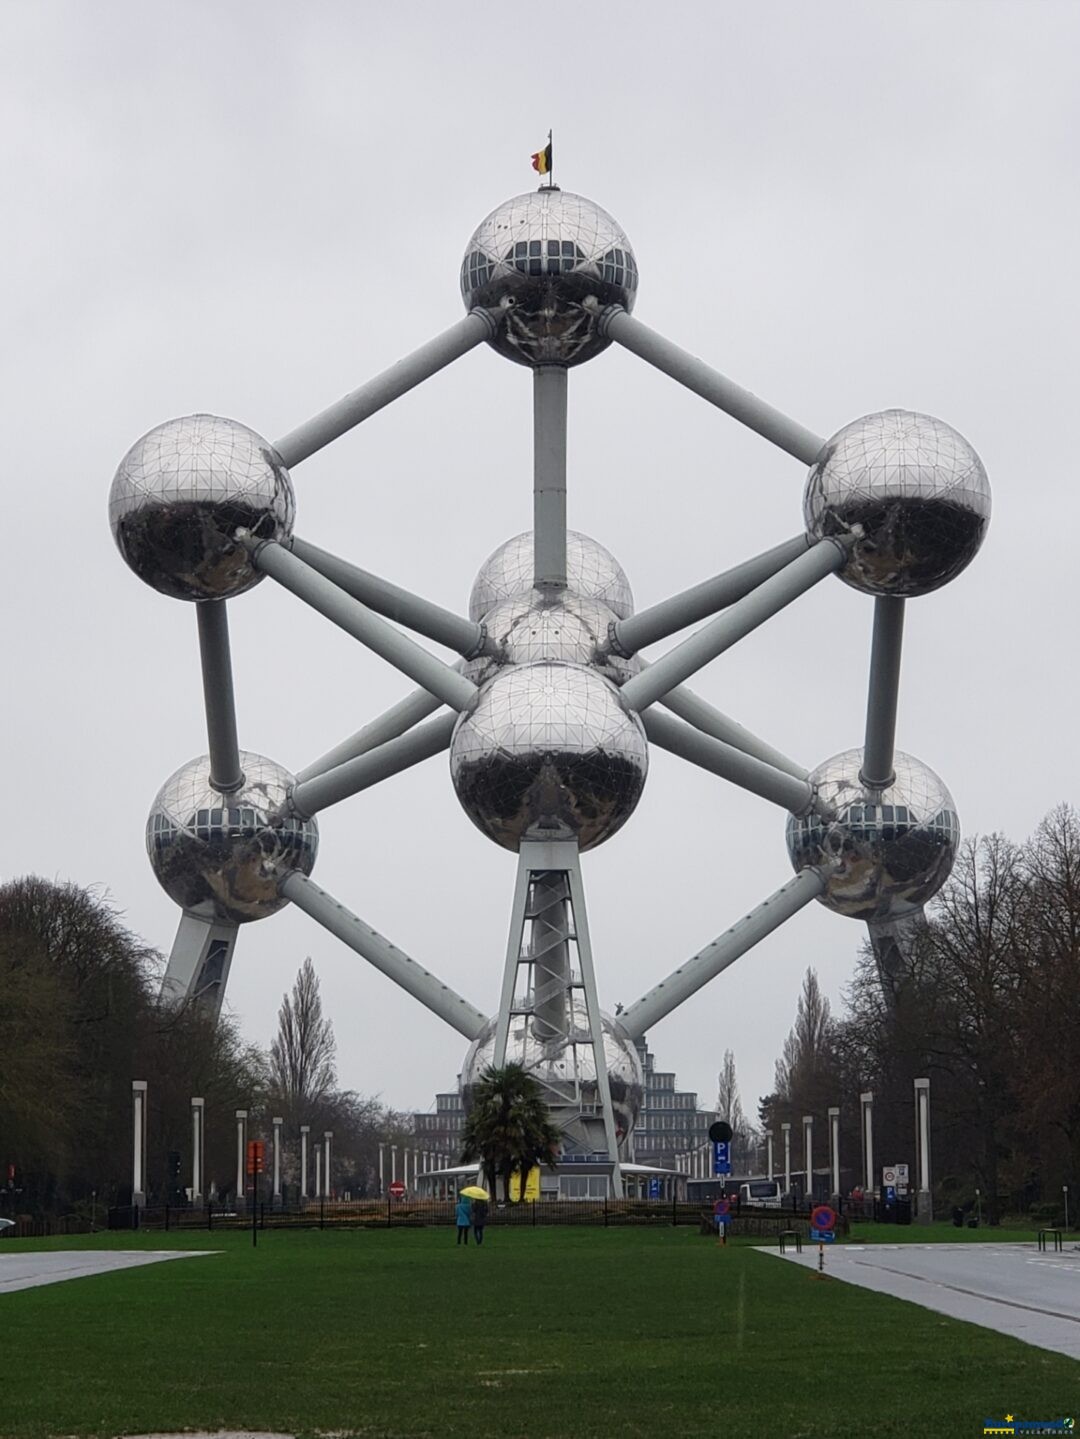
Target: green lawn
pixel 544 1332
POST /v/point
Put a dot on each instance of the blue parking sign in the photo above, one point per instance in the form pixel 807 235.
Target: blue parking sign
pixel 722 1157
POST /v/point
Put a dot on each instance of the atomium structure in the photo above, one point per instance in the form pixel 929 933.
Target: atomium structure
pixel 549 715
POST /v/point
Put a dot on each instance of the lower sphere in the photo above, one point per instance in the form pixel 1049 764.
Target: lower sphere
pixel 226 854
pixel 592 572
pixel 887 851
pixel 565 1066
pixel 548 752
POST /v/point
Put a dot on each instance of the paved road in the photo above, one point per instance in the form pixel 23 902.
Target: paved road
pixel 1011 1288
pixel 25 1271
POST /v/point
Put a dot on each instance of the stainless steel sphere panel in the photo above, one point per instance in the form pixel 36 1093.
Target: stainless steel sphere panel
pixel 226 854
pixel 566 1065
pixel 556 626
pixel 916 489
pixel 548 752
pixel 546 263
pixel 592 572
pixel 894 847
pixel 181 493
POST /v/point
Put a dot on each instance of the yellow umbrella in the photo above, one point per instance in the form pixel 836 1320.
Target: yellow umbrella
pixel 473 1191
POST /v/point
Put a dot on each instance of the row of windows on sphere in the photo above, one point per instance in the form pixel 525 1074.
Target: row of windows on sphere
pixel 863 822
pixel 617 266
pixel 240 822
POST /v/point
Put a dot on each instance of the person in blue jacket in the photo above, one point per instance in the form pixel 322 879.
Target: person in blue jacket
pixel 463 1215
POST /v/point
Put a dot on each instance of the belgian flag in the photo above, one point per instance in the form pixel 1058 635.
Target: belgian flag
pixel 541 161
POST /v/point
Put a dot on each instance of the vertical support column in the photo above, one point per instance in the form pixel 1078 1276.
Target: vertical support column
pixel 416 1170
pixel 866 1100
pixel 318 1171
pixel 834 1151
pixel 278 1122
pixel 518 912
pixel 305 1130
pixel 393 1164
pixel 884 689
pixel 241 1152
pixel 328 1141
pixel 786 1128
pixel 769 1154
pixel 382 1171
pixel 808 1154
pixel 138 1165
pixel 198 1151
pixel 592 1004
pixel 549 475
pixel 225 772
pixel 923 1202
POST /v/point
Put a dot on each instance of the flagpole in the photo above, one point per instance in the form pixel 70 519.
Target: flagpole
pixel 551 170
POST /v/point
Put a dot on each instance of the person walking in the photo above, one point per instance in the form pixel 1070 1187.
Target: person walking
pixel 479 1218
pixel 463 1215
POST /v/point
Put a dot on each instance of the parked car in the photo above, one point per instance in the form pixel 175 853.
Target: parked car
pixel 6 1224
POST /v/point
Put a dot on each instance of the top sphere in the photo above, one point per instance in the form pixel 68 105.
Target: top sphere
pixel 534 262
pixel 917 490
pixel 183 491
pixel 591 572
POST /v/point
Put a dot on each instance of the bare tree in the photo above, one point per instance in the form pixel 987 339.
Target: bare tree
pixel 729 1107
pixel 302 1069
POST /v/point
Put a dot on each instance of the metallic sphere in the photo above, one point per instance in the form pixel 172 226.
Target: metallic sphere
pixel 916 490
pixel 225 854
pixel 591 572
pixel 895 846
pixel 546 264
pixel 550 626
pixel 179 497
pixel 566 1066
pixel 548 752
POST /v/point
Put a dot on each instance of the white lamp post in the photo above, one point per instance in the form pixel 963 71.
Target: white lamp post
pixel 138 1168
pixel 198 1111
pixel 924 1208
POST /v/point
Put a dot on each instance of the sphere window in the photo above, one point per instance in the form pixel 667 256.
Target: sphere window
pixel 620 268
pixel 476 270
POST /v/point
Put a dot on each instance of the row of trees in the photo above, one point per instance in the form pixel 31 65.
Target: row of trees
pixel 79 1020
pixel 987 1005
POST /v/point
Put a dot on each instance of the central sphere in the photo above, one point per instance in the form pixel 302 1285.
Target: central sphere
pixel 888 850
pixel 535 262
pixel 591 572
pixel 917 492
pixel 226 854
pixel 181 493
pixel 548 752
pixel 566 1066
pixel 558 626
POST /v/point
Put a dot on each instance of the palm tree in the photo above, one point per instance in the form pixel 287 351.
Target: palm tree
pixel 509 1127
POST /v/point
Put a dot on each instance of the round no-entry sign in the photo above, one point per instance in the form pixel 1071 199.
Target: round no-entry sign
pixel 823 1217
pixel 397 1189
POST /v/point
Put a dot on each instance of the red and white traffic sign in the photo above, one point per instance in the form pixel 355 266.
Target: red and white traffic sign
pixel 397 1189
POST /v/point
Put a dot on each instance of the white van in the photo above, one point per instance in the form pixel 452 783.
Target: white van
pixel 760 1194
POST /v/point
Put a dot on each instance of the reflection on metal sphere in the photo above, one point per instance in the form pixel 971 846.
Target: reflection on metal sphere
pixel 180 495
pixel 894 847
pixel 548 752
pixel 566 1067
pixel 225 854
pixel 534 262
pixel 591 571
pixel 917 490
pixel 550 626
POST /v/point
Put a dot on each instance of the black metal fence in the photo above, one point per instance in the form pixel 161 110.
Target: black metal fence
pixel 427 1213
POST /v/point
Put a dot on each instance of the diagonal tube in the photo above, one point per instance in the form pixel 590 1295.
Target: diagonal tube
pixel 348 412
pixel 395 603
pixel 796 795
pixel 808 884
pixel 386 957
pixel 726 629
pixel 698 603
pixel 218 696
pixel 725 394
pixel 360 622
pixel 314 795
pixel 711 721
pixel 396 720
pixel 883 692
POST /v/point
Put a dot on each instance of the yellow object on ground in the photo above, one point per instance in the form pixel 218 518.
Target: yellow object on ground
pixel 532 1186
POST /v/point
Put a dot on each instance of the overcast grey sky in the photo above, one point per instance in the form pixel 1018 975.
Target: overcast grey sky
pixel 250 208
